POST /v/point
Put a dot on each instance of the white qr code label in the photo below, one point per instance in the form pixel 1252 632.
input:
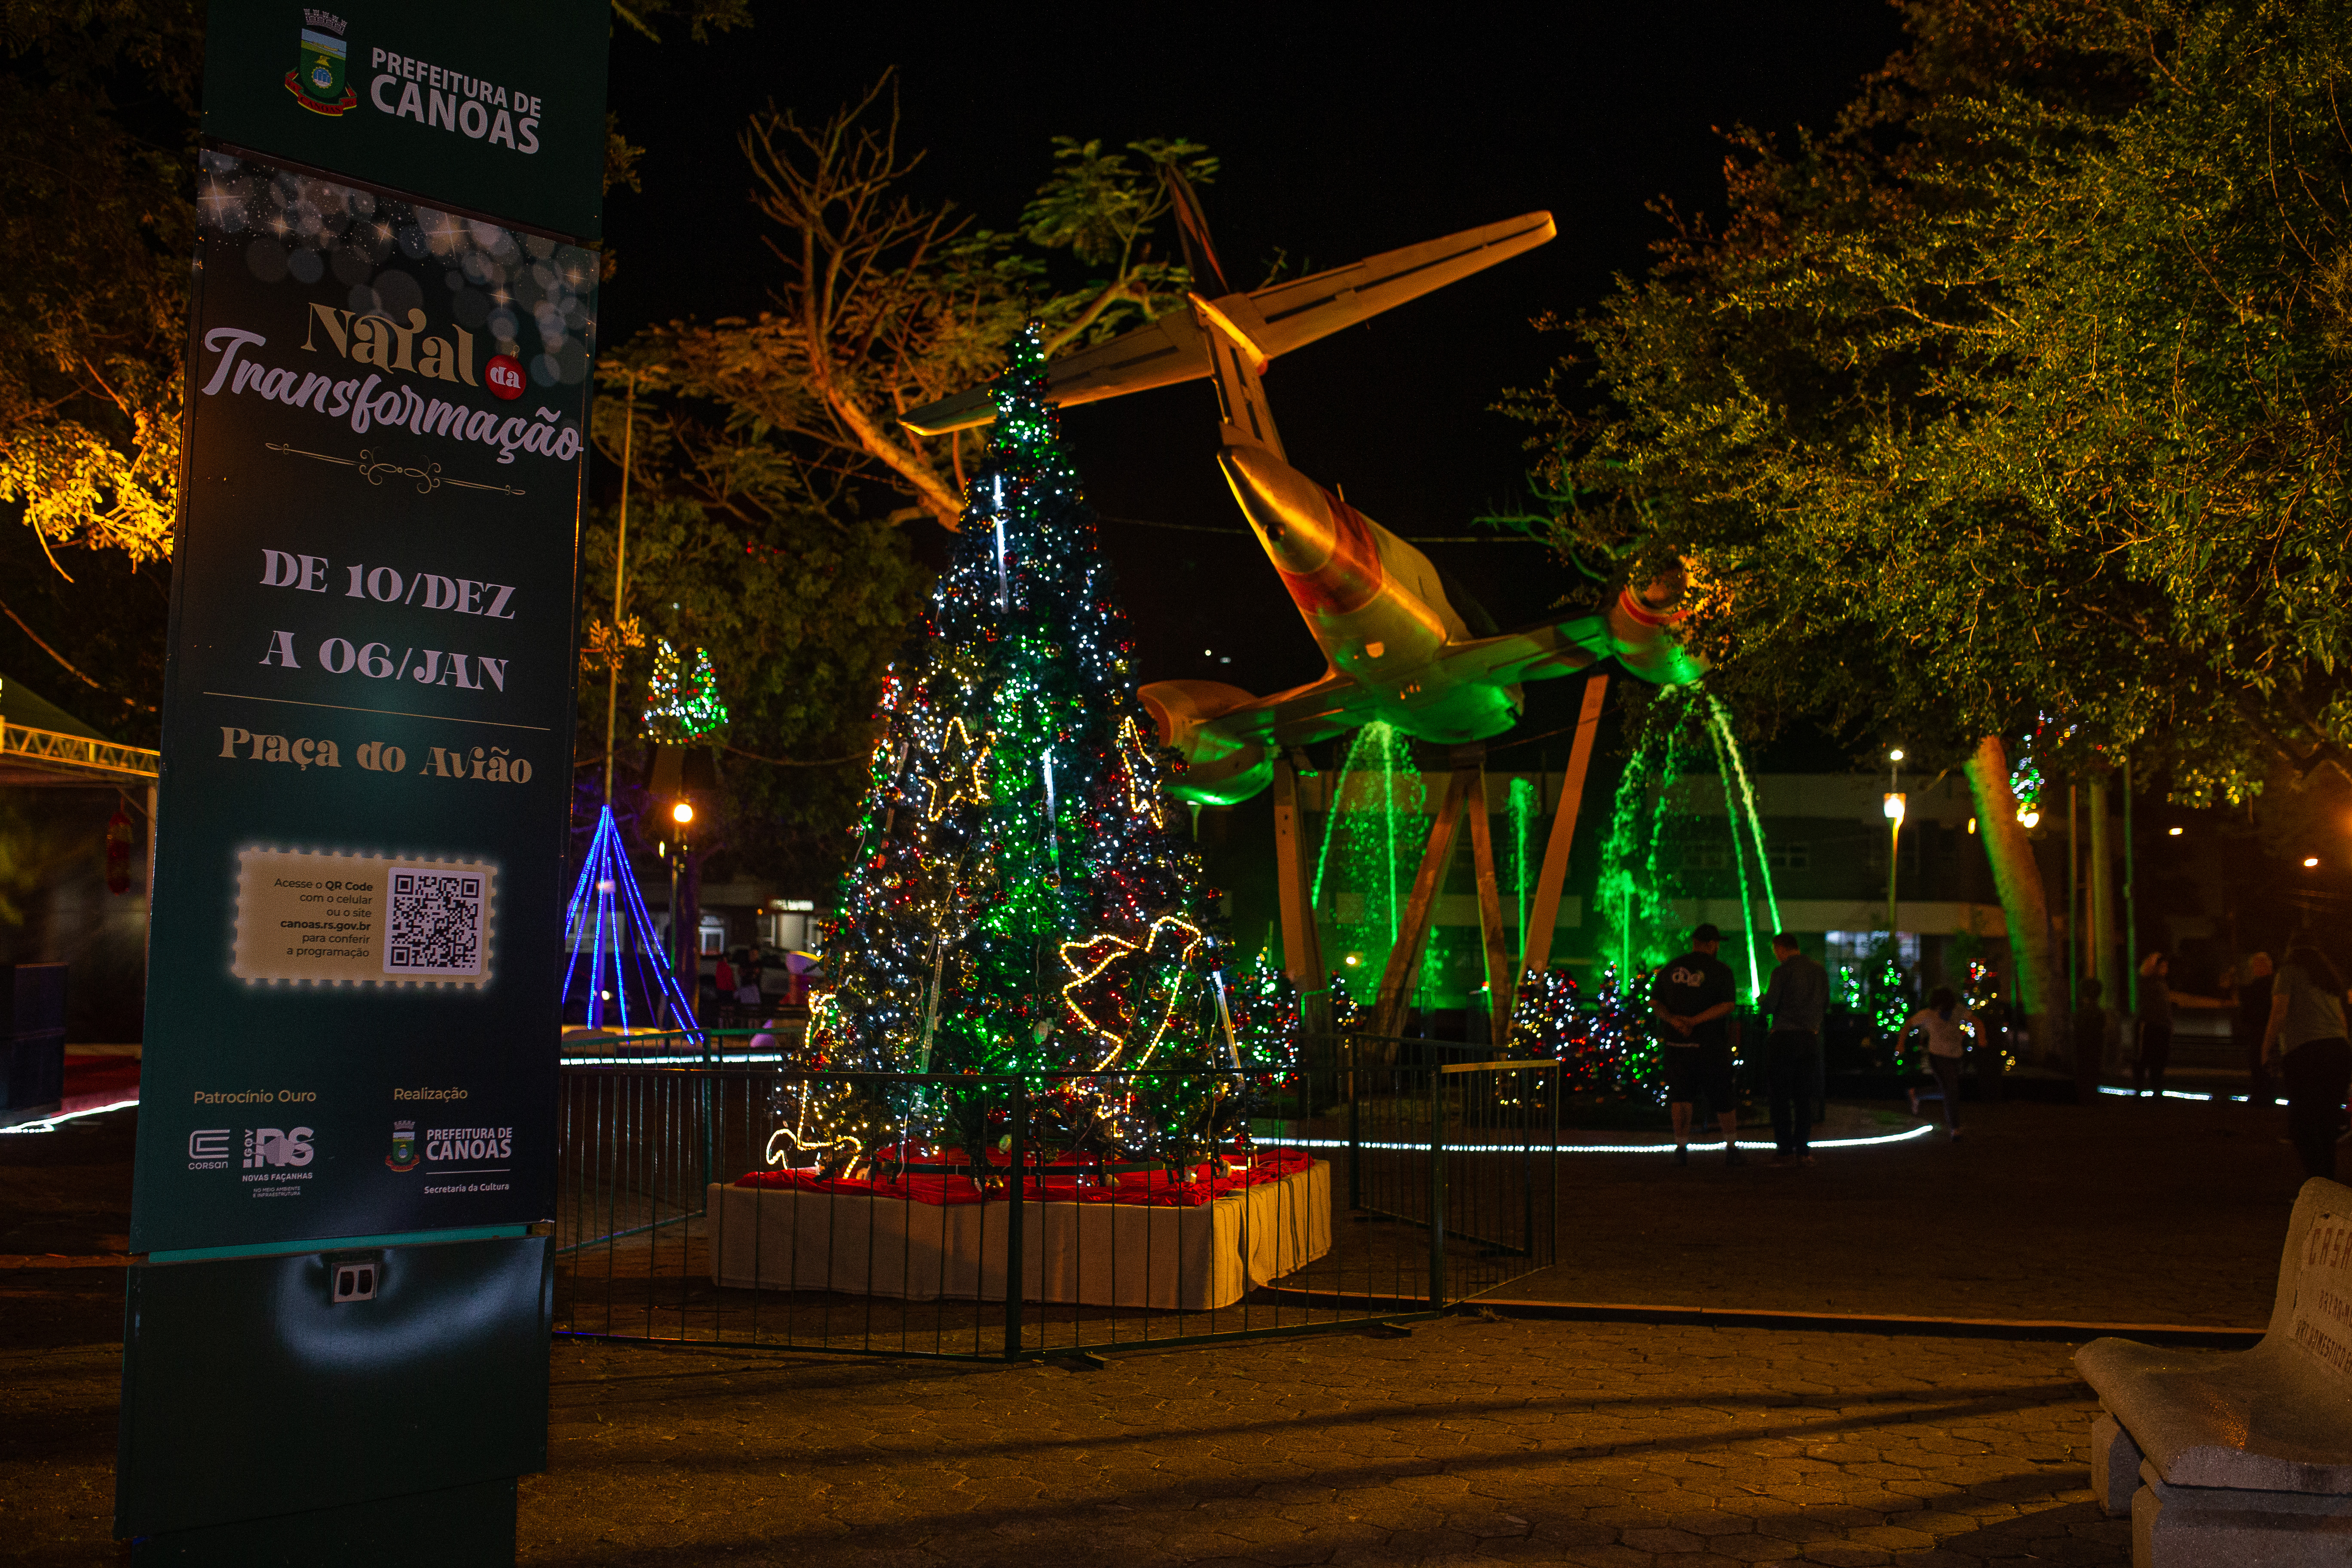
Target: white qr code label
pixel 318 917
pixel 434 925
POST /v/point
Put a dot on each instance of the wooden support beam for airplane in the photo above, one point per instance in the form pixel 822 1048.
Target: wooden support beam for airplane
pixel 1404 958
pixel 1545 914
pixel 1493 935
pixel 1302 946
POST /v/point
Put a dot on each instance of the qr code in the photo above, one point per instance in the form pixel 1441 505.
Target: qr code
pixel 435 924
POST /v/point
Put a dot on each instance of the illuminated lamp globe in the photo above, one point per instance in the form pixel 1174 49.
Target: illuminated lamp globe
pixel 2309 861
pixel 682 812
pixel 1896 756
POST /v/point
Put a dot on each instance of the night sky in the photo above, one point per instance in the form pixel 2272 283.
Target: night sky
pixel 1341 135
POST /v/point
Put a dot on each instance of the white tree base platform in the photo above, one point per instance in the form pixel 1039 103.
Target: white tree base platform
pixel 1103 1255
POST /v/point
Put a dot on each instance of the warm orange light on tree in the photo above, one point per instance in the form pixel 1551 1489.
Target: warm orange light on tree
pixel 682 812
pixel 2309 861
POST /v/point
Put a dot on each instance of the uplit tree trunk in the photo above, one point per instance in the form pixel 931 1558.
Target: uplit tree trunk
pixel 2105 940
pixel 2017 878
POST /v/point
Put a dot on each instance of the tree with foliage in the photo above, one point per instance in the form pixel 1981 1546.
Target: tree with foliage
pixel 97 131
pixel 2018 396
pixel 884 302
pixel 762 451
pixel 1025 894
pixel 98 140
pixel 800 610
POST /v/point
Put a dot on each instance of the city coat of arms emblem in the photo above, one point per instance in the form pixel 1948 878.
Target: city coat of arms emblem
pixel 317 80
pixel 403 1146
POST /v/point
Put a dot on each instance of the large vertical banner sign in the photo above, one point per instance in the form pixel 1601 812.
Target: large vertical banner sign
pixel 367 744
pixel 347 1121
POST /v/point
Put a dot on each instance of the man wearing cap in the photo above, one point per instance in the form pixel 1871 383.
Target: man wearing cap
pixel 1691 998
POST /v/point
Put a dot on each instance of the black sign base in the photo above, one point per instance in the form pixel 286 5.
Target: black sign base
pixel 275 1405
pixel 461 1527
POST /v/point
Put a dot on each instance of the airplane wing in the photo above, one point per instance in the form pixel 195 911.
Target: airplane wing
pixel 1300 312
pixel 1276 319
pixel 1536 652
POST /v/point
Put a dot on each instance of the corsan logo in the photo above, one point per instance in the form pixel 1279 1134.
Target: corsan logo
pixel 317 80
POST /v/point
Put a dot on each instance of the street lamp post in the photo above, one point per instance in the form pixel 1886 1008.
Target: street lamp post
pixel 686 943
pixel 1894 806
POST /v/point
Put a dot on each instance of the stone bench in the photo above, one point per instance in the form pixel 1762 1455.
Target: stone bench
pixel 2241 1459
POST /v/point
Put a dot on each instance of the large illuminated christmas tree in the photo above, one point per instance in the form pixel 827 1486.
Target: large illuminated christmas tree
pixel 1026 897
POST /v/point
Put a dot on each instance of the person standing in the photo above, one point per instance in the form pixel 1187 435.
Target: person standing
pixel 2306 1037
pixel 1795 1001
pixel 2255 979
pixel 1946 1024
pixel 1691 998
pixel 2157 1001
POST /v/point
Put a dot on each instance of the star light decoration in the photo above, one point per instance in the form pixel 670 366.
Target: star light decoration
pixel 1019 900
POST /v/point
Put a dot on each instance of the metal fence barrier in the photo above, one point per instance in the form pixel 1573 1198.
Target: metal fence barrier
pixel 1387 1180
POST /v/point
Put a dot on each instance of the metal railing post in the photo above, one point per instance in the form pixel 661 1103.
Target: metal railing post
pixel 1527 1132
pixel 1013 1271
pixel 1436 1188
pixel 708 1111
pixel 1551 1240
pixel 1355 1129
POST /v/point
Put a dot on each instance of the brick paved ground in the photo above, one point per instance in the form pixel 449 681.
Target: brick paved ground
pixel 1611 1446
pixel 2038 1211
pixel 1472 1441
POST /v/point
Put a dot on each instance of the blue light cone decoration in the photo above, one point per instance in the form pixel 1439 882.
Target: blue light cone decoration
pixel 604 896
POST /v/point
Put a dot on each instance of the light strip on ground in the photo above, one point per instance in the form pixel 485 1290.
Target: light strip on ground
pixel 2177 1094
pixel 695 1060
pixel 1592 1148
pixel 51 1123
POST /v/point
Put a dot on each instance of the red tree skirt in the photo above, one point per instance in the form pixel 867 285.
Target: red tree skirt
pixel 1196 1186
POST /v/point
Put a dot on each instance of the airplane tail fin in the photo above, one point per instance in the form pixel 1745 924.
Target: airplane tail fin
pixel 1192 233
pixel 1231 327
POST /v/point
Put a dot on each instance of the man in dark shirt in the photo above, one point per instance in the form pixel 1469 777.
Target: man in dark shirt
pixel 2255 979
pixel 1795 1002
pixel 1691 998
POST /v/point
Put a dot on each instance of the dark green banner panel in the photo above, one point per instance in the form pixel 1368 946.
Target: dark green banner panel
pixel 494 108
pixel 352 1007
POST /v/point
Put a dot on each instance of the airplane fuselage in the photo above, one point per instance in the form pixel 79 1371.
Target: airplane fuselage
pixel 1373 603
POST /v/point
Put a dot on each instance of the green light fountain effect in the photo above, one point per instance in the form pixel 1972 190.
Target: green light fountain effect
pixel 1638 888
pixel 1372 839
pixel 1525 803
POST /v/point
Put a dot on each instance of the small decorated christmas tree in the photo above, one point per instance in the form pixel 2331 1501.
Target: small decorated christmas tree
pixel 682 700
pixel 1026 897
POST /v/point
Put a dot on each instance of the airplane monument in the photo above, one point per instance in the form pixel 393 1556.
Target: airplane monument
pixel 1395 650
